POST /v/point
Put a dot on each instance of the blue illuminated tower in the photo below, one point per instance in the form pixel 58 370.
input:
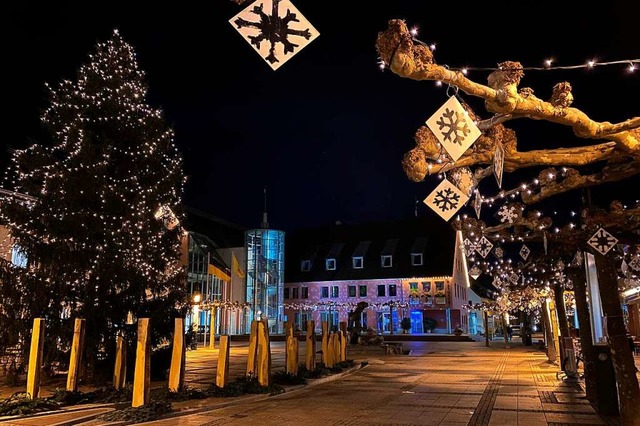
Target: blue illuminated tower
pixel 265 274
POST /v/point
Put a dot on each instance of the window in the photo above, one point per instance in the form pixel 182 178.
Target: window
pixel 413 286
pixel 335 291
pixel 439 285
pixel 358 262
pixel 352 291
pixel 386 261
pixel 392 290
pixel 416 259
pixel 325 292
pixel 330 264
pixel 18 257
pixel 381 290
pixel 362 290
pixel 305 265
pixel 305 292
pixel 294 293
pixel 426 287
pixel 286 293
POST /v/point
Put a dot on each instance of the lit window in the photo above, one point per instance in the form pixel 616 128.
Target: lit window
pixel 18 257
pixel 325 292
pixel 305 265
pixel 352 291
pixel 439 285
pixel 386 261
pixel 358 262
pixel 331 264
pixel 413 286
pixel 416 259
pixel 362 290
pixel 426 287
pixel 335 291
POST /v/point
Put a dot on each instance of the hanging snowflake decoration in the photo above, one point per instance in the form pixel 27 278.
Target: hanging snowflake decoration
pixel 634 264
pixel 508 214
pixel 525 252
pixel 453 127
pixel 446 199
pixel 498 252
pixel 477 203
pixel 469 247
pixel 484 247
pixel 513 278
pixel 602 241
pixel 475 272
pixel 276 38
pixel 498 163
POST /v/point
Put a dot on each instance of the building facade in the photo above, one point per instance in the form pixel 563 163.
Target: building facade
pixel 400 269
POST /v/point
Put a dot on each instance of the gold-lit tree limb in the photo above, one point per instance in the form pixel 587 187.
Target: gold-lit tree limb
pixel 396 48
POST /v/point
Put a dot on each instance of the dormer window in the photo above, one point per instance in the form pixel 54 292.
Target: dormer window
pixel 358 262
pixel 330 264
pixel 416 259
pixel 386 261
pixel 305 265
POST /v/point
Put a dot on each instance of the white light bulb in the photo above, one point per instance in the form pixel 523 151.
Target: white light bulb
pixel 591 63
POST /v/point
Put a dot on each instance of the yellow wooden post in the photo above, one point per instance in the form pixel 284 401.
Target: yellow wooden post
pixel 329 360
pixel 311 346
pixel 343 346
pixel 325 341
pixel 222 372
pixel 253 349
pixel 75 361
pixel 120 369
pixel 336 347
pixel 35 358
pixel 212 330
pixel 176 373
pixel 143 365
pixel 263 361
pixel 291 360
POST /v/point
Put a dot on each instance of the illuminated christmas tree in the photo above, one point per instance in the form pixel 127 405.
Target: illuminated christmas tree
pixel 98 215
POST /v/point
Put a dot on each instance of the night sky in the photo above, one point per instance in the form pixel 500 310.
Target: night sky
pixel 326 132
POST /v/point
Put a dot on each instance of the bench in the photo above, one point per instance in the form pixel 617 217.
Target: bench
pixel 393 348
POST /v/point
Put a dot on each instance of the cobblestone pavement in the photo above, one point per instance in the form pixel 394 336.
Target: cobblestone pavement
pixel 438 383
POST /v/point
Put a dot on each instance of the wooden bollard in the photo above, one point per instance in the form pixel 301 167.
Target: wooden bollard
pixel 120 368
pixel 291 353
pixel 75 361
pixel 212 329
pixel 329 361
pixel 263 360
pixel 343 346
pixel 35 358
pixel 325 342
pixel 343 327
pixel 222 372
pixel 311 346
pixel 253 349
pixel 178 352
pixel 143 365
pixel 337 350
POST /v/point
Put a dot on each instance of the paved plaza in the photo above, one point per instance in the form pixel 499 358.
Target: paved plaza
pixel 438 383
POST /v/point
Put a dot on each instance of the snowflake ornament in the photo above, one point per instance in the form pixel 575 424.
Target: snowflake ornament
pixel 446 199
pixel 453 127
pixel 464 179
pixel 477 203
pixel 524 252
pixel 602 241
pixel 498 163
pixel 484 247
pixel 469 247
pixel 276 38
pixel 475 272
pixel 498 252
pixel 508 214
pixel 513 278
pixel 634 264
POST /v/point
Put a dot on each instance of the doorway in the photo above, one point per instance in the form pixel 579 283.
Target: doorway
pixel 416 322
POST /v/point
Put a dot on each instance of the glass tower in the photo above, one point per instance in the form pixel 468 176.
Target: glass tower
pixel 265 277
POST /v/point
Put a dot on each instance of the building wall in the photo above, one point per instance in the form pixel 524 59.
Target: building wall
pixel 6 243
pixel 235 319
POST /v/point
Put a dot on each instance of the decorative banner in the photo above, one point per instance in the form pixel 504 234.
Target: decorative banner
pixel 446 200
pixel 635 264
pixel 475 272
pixel 277 38
pixel 469 247
pixel 484 247
pixel 525 252
pixel 513 278
pixel 602 241
pixel 454 128
pixel 508 214
pixel 498 252
pixel 498 163
pixel 465 181
pixel 477 203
